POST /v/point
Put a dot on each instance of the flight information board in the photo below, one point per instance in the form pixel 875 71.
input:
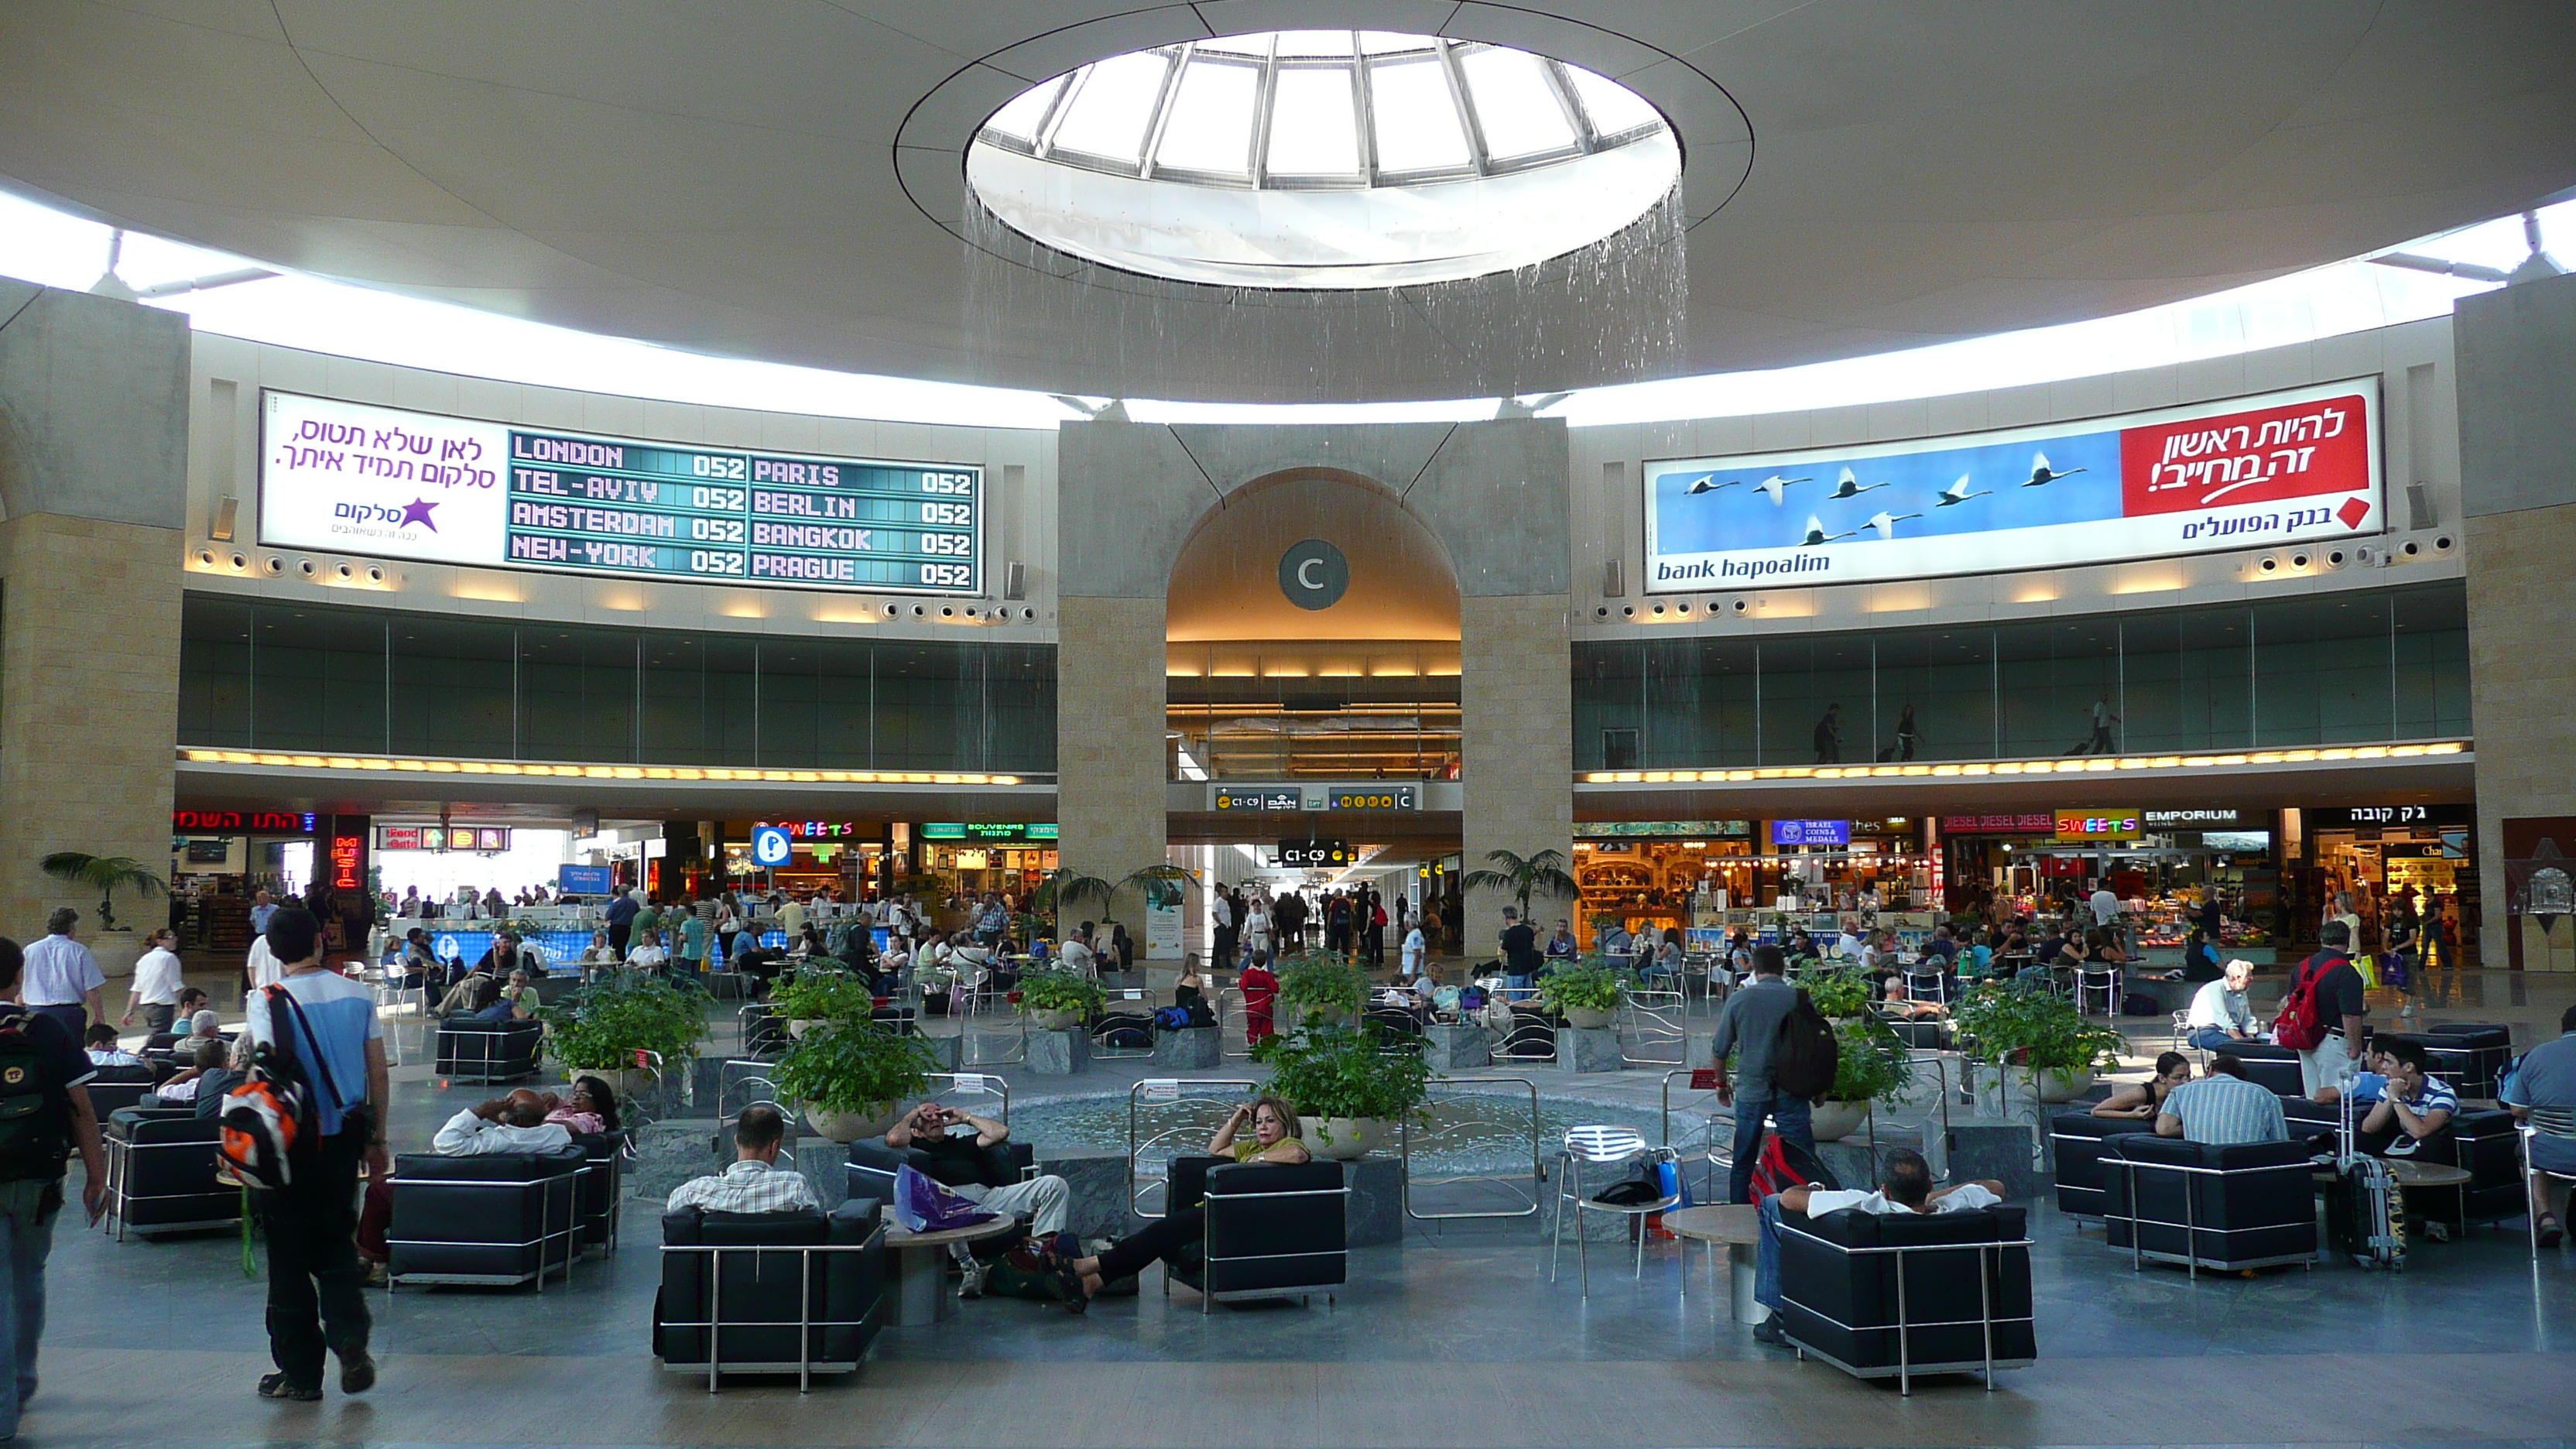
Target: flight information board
pixel 354 478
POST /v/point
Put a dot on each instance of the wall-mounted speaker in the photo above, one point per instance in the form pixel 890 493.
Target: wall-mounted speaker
pixel 2335 559
pixel 2419 507
pixel 2410 549
pixel 227 511
pixel 1015 580
pixel 1614 578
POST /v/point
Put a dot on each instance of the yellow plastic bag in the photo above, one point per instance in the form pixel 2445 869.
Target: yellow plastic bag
pixel 2368 966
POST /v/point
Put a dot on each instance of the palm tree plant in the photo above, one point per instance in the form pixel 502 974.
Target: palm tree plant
pixel 1058 893
pixel 105 873
pixel 1162 886
pixel 1543 874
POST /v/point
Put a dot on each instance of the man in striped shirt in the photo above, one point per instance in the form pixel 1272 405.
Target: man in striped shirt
pixel 2416 1104
pixel 2223 1109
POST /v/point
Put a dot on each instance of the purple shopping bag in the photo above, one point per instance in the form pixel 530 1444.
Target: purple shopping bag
pixel 923 1206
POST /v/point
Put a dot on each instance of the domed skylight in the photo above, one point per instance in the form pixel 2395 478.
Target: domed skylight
pixel 1323 159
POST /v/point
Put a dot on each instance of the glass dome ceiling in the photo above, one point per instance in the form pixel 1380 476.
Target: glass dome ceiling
pixel 1323 159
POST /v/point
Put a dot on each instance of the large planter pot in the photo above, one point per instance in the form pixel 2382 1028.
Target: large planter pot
pixel 1835 1121
pixel 1054 1020
pixel 846 1127
pixel 2052 1085
pixel 117 951
pixel 1586 1018
pixel 1344 1138
pixel 797 1026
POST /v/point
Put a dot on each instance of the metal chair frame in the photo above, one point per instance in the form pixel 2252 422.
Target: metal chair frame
pixel 2190 1224
pixel 2544 1122
pixel 120 1169
pixel 571 1234
pixel 1607 1146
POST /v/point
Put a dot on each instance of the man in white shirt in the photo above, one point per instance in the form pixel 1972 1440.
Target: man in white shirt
pixel 154 991
pixel 649 956
pixel 1415 953
pixel 2220 1013
pixel 62 978
pixel 515 1123
pixel 1906 1187
pixel 755 1183
pixel 263 966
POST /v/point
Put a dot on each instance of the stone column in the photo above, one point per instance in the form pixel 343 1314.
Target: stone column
pixel 93 471
pixel 1109 744
pixel 1516 722
pixel 2516 353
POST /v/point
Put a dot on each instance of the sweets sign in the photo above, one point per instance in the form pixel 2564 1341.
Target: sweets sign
pixel 2287 467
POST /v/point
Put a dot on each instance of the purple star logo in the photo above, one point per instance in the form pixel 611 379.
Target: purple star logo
pixel 417 511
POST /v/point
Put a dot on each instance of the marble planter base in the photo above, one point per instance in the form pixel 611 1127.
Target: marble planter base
pixel 1456 1047
pixel 1588 1050
pixel 1059 1053
pixel 1194 1048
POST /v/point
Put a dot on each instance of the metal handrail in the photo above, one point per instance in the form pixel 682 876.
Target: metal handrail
pixel 1168 1089
pixel 1538 1163
pixel 1656 1005
pixel 972 1084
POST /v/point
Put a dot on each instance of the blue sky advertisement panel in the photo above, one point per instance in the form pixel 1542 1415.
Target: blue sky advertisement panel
pixel 2301 466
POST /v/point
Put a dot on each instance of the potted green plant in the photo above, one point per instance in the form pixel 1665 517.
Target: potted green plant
pixel 1318 987
pixel 1524 876
pixel 601 1027
pixel 1053 1000
pixel 1349 1094
pixel 813 997
pixel 104 874
pixel 851 1077
pixel 2053 1047
pixel 1587 996
pixel 1872 1065
pixel 1838 994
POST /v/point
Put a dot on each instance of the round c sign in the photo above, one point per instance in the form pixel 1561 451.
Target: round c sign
pixel 769 847
pixel 1314 574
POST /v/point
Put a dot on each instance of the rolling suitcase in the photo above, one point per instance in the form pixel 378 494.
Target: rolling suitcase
pixel 2366 1209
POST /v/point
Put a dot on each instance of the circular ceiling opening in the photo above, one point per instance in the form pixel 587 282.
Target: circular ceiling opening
pixel 1323 160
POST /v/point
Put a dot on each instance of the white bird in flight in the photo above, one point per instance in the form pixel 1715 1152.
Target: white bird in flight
pixel 1708 484
pixel 1958 492
pixel 1774 484
pixel 1850 486
pixel 1817 536
pixel 2041 474
pixel 1885 522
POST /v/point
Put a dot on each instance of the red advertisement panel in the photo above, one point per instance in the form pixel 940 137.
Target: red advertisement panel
pixel 2258 456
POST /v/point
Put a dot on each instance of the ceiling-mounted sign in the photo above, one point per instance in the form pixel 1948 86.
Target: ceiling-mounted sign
pixel 2099 825
pixel 1315 853
pixel 771 846
pixel 1371 797
pixel 2296 466
pixel 347 477
pixel 1811 832
pixel 1233 798
pixel 1314 574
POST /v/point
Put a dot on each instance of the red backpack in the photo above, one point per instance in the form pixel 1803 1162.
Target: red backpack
pixel 2298 1026
pixel 1784 1164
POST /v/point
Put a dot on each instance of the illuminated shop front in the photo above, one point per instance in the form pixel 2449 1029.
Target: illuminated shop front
pixel 2425 854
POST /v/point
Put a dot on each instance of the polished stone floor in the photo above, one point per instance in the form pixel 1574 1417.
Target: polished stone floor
pixel 1455 1338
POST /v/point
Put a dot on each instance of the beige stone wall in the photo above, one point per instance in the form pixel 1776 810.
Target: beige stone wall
pixel 2522 692
pixel 1517 740
pixel 89 707
pixel 1109 742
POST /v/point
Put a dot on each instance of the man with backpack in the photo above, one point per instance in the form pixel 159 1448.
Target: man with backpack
pixel 1749 1026
pixel 44 1113
pixel 2321 1016
pixel 319 1048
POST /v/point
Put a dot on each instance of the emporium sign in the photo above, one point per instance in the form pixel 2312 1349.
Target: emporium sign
pixel 2299 466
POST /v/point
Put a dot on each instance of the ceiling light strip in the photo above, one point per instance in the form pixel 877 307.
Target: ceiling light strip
pixel 279 760
pixel 2093 765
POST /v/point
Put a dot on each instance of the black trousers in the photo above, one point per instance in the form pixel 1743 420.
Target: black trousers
pixel 619 933
pixel 316 1289
pixel 1128 1256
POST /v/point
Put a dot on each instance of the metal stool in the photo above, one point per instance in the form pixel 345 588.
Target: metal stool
pixel 1610 1146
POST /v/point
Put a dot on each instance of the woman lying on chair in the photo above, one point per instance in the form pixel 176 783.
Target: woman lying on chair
pixel 1273 1138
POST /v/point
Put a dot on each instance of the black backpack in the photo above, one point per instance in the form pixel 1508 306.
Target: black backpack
pixel 32 1139
pixel 1806 1053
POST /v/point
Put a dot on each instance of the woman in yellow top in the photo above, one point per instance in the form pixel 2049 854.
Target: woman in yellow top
pixel 1273 1138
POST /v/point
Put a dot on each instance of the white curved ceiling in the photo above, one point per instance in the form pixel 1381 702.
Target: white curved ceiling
pixel 723 177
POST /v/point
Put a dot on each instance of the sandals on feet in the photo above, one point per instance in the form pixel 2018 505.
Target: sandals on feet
pixel 2551 1231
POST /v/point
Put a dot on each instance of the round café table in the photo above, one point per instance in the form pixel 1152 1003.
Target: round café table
pixel 921 1267
pixel 1738 1226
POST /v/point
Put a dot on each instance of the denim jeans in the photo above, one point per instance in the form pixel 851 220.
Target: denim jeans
pixel 27 1212
pixel 2212 1038
pixel 1795 1120
pixel 1766 1256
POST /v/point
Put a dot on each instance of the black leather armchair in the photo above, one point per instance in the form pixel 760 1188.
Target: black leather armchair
pixel 2252 1205
pixel 1273 1230
pixel 161 1165
pixel 779 1293
pixel 1877 1295
pixel 488 1051
pixel 2470 1058
pixel 603 1185
pixel 496 1219
pixel 113 1089
pixel 2080 1141
pixel 2275 1068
